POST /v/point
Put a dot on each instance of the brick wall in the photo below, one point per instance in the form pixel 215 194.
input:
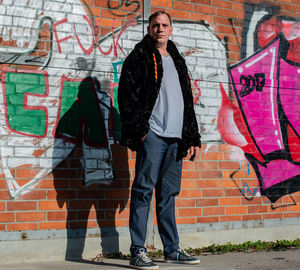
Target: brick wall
pixel 62 166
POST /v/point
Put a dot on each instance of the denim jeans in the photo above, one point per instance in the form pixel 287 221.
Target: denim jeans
pixel 156 167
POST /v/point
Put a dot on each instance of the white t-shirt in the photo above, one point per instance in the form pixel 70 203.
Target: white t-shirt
pixel 167 116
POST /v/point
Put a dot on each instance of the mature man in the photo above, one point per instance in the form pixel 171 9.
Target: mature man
pixel 158 121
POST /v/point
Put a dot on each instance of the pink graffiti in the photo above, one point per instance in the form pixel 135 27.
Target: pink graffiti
pixel 270 28
pixel 265 122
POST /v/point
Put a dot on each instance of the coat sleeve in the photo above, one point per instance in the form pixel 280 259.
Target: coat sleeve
pixel 129 99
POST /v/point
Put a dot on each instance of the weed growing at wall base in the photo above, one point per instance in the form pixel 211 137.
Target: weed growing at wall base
pixel 279 245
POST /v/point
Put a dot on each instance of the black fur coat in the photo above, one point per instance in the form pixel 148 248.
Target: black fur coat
pixel 139 85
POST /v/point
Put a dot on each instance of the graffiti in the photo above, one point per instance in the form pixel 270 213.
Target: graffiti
pixel 263 122
pixel 250 83
pixel 127 3
pixel 59 87
pixel 250 190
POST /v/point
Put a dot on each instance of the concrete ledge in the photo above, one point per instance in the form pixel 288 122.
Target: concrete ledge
pixel 38 249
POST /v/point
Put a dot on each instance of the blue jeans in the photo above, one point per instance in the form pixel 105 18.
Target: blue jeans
pixel 156 166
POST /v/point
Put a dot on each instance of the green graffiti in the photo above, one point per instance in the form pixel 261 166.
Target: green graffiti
pixel 117 119
pixel 25 120
pixel 81 113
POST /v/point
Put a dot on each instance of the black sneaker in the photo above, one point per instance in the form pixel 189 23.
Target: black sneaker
pixel 180 256
pixel 142 261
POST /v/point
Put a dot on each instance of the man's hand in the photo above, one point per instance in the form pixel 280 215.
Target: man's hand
pixel 194 152
pixel 143 138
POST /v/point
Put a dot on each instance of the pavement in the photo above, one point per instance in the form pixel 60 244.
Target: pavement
pixel 255 260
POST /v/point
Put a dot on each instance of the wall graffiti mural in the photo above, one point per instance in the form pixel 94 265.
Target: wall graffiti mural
pixel 59 72
pixel 262 120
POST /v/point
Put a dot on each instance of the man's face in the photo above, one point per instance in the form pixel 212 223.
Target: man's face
pixel 160 29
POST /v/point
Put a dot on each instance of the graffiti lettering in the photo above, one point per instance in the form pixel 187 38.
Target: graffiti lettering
pixel 95 40
pixel 21 117
pixel 127 3
pixel 250 83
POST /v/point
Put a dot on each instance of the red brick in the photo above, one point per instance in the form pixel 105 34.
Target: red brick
pixel 51 205
pixel 49 184
pixel 161 3
pixel 207 202
pixel 273 216
pixel 7 217
pixel 253 201
pixel 178 14
pixel 57 215
pixel 291 215
pixel 230 218
pixel 206 165
pixel 188 165
pixel 257 209
pixel 211 174
pixel 190 193
pixel 53 225
pixel 188 184
pixel 230 192
pixel 212 192
pixel 227 183
pixel 230 201
pixel 207 219
pixel 211 156
pixel 236 210
pixel 185 202
pixel 189 212
pixel 2 183
pixel 22 227
pixel 213 211
pixel 225 165
pixel 30 216
pixel 2 206
pixel 208 183
pixel 2 227
pixel 204 2
pixel 4 195
pixel 252 217
pixel 205 9
pixel 185 220
pixel 100 3
pixel 34 195
pixel 222 4
pixel 183 6
pixel 21 205
pixel 191 175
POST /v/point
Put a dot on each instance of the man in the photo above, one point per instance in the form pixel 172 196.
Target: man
pixel 159 123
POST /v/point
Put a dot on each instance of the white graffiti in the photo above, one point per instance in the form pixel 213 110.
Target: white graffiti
pixel 76 52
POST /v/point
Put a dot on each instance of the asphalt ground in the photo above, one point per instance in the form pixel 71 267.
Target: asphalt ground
pixel 254 260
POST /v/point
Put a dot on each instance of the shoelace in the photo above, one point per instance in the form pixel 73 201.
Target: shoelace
pixel 182 252
pixel 144 257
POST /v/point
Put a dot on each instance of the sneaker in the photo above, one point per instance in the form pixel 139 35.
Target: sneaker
pixel 142 261
pixel 180 256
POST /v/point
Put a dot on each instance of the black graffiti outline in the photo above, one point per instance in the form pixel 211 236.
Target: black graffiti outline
pixel 250 83
pixel 127 4
pixel 251 198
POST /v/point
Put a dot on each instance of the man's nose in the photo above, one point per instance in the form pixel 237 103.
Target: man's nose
pixel 159 27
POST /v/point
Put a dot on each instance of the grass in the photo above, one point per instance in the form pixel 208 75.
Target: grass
pixel 279 245
pixel 249 246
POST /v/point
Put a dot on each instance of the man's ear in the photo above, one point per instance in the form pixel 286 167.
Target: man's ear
pixel 171 31
pixel 148 28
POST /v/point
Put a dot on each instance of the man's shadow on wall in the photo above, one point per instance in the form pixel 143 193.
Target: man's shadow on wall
pixel 90 170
